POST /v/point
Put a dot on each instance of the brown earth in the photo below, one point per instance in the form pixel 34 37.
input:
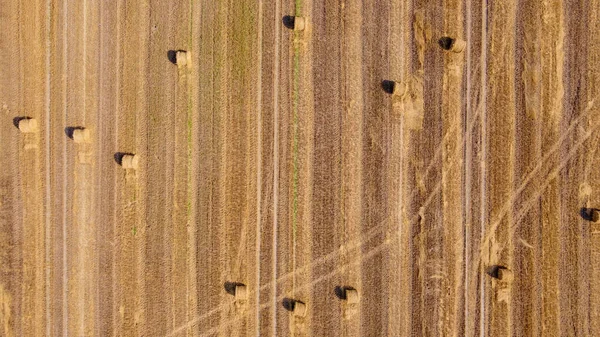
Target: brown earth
pixel 278 160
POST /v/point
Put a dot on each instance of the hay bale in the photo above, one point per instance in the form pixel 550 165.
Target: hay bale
pixel 300 309
pixel 594 215
pixel 183 58
pixel 299 23
pixel 399 89
pixel 130 161
pixel 458 46
pixel 505 275
pixel 81 135
pixel 28 125
pixel 241 293
pixel 352 296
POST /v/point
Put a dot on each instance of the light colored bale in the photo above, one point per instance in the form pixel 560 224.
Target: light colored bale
pixel 352 296
pixel 130 161
pixel 399 89
pixel 241 293
pixel 28 125
pixel 505 275
pixel 594 215
pixel 300 309
pixel 183 58
pixel 299 23
pixel 81 135
pixel 458 46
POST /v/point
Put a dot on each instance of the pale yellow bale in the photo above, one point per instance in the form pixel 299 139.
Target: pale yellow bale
pixel 81 135
pixel 28 125
pixel 505 275
pixel 299 23
pixel 352 296
pixel 300 309
pixel 183 58
pixel 241 293
pixel 130 161
pixel 458 46
pixel 594 215
pixel 399 89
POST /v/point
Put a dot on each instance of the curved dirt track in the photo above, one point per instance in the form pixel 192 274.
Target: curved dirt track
pixel 278 159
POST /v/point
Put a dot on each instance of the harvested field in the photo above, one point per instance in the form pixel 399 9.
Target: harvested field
pixel 351 178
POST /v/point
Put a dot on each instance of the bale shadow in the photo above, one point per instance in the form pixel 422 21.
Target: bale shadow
pixel 289 21
pixel 70 129
pixel 172 56
pixel 494 269
pixel 289 304
pixel 16 120
pixel 230 287
pixel 119 156
pixel 388 86
pixel 340 291
pixel 446 42
pixel 590 214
